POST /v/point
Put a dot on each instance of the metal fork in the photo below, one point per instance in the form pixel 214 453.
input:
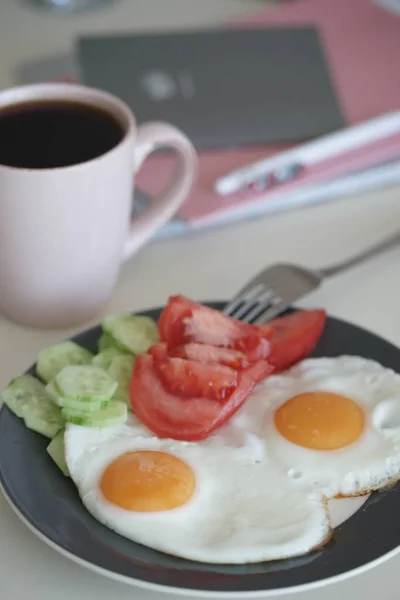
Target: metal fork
pixel 277 287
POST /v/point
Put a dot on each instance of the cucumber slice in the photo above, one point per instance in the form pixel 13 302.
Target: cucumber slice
pixel 84 407
pixel 105 343
pixel 115 414
pixel 85 383
pixel 133 333
pixel 53 392
pixel 52 360
pixel 20 392
pixel 104 359
pixel 56 451
pixel 83 403
pixel 72 403
pixel 120 369
pixel 26 396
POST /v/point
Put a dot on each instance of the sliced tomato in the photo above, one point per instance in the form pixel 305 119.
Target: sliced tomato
pixel 209 326
pixel 184 321
pixel 159 351
pixel 189 378
pixel 295 336
pixel 204 353
pixel 189 419
pixel 207 354
pixel 255 347
pixel 170 323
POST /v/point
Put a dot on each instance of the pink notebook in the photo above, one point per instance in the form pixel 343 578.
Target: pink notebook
pixel 362 45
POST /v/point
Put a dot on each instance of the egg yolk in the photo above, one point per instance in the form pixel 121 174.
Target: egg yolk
pixel 147 481
pixel 320 420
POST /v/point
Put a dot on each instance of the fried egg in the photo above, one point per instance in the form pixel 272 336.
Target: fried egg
pixel 221 500
pixel 334 423
pixel 258 488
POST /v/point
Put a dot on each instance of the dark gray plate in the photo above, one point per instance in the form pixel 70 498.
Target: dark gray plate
pixel 50 505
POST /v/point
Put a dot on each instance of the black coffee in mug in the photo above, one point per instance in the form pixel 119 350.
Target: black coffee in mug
pixel 47 134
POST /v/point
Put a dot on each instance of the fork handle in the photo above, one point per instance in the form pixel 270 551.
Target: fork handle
pixel 386 244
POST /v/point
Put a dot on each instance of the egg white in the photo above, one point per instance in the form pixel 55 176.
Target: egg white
pixel 245 507
pixel 369 463
pixel 258 496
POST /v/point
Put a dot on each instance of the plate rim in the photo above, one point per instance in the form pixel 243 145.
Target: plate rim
pixel 188 591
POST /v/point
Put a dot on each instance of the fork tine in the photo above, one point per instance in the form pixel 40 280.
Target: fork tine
pixel 270 313
pixel 267 300
pixel 272 291
pixel 251 309
pixel 250 303
pixel 245 294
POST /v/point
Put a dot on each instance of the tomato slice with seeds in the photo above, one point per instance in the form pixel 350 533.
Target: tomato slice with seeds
pixel 190 419
pixel 207 354
pixel 295 336
pixel 189 378
pixel 254 347
pixel 159 351
pixel 208 326
pixel 171 324
pixel 184 321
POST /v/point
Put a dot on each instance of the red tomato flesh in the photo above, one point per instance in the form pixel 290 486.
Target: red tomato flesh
pixel 207 354
pixel 184 321
pixel 295 336
pixel 189 378
pixel 189 419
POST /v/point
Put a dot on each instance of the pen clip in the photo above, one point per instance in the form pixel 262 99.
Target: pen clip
pixel 244 179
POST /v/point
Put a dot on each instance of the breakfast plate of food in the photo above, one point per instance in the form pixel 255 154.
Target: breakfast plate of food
pixel 184 451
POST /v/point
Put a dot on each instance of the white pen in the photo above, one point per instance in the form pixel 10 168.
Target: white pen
pixel 287 165
pixel 257 177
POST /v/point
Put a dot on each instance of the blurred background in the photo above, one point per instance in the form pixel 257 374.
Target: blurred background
pixel 245 79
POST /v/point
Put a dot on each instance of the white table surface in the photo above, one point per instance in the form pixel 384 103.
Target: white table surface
pixel 368 296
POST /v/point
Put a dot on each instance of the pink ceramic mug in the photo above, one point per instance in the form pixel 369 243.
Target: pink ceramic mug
pixel 65 231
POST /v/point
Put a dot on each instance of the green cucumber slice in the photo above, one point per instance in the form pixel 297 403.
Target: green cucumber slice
pixel 120 369
pixel 20 392
pixel 85 383
pixel 26 397
pixel 114 414
pixel 85 407
pixel 104 359
pixel 85 404
pixel 106 342
pixel 133 333
pixel 56 451
pixel 72 403
pixel 53 392
pixel 53 359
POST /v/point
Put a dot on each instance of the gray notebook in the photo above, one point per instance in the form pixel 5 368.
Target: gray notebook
pixel 221 87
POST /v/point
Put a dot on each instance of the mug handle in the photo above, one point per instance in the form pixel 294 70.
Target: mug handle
pixel 151 136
